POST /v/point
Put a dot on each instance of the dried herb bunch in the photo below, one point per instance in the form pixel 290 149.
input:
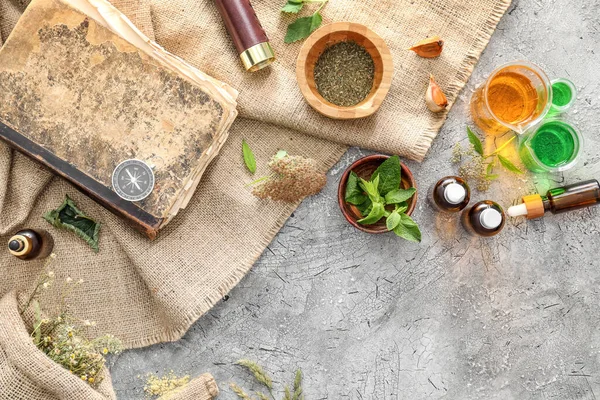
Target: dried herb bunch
pixel 62 337
pixel 293 178
pixel 167 384
pixel 261 376
pixel 477 167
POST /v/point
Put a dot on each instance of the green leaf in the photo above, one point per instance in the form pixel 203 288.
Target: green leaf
pixel 365 208
pixel 401 207
pixel 302 28
pixel 389 174
pixel 249 159
pixel 69 217
pixel 375 215
pixel 490 168
pixel 475 141
pixel 491 177
pixel 399 195
pixel 506 163
pixel 408 229
pixel 292 7
pixel 393 220
pixel 316 22
pixel 371 187
pixel 354 194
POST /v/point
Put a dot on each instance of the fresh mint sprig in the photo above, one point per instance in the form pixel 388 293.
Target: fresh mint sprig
pixel 383 189
pixel 304 26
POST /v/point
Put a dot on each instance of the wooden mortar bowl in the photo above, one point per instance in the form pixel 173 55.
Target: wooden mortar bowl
pixel 333 33
pixel 364 168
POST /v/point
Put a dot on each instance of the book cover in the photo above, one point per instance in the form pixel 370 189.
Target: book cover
pixel 81 99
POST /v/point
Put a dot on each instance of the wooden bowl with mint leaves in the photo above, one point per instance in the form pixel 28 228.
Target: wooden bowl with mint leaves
pixel 377 194
pixel 344 70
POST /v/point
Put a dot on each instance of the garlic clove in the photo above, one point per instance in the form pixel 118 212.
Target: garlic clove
pixel 429 48
pixel 435 98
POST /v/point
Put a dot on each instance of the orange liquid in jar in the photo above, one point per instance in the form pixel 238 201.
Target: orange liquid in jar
pixel 511 97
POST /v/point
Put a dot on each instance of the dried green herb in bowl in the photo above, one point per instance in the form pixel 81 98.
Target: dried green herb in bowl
pixel 344 73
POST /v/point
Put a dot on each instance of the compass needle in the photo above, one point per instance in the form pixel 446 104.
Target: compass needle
pixel 130 180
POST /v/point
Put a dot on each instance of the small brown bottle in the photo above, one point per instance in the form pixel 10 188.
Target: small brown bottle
pixel 485 218
pixel 559 200
pixel 450 194
pixel 30 244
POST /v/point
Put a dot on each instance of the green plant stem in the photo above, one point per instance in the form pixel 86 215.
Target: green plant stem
pixel 323 2
pixel 499 149
pixel 264 178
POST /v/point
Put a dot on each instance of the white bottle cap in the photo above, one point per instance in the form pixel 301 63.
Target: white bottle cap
pixel 517 211
pixel 490 218
pixel 454 193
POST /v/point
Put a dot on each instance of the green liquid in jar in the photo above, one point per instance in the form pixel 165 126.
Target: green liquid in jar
pixel 561 94
pixel 553 144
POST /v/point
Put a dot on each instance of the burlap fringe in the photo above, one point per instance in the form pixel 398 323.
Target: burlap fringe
pixel 463 74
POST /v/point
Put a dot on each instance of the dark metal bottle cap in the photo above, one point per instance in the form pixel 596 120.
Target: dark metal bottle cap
pixel 19 245
pixel 15 245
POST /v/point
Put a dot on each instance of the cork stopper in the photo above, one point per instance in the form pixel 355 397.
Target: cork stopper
pixel 535 206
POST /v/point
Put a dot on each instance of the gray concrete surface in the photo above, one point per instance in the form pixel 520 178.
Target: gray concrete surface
pixel 455 317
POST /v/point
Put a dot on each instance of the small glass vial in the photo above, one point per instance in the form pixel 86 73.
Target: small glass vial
pixel 30 244
pixel 559 200
pixel 450 194
pixel 564 94
pixel 485 218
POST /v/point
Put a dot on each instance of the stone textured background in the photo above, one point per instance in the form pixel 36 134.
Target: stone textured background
pixel 455 317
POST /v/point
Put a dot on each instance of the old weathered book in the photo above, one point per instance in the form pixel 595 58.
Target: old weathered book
pixel 82 90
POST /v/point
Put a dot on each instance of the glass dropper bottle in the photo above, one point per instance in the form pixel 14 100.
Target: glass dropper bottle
pixel 558 200
pixel 450 194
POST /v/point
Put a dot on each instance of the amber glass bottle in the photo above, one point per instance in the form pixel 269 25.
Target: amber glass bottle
pixel 485 218
pixel 559 200
pixel 450 194
pixel 30 244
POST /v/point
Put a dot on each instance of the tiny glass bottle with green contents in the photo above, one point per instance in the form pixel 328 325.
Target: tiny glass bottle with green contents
pixel 564 94
pixel 485 218
pixel 552 146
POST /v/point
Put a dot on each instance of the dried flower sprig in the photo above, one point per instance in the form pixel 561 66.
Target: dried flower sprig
pixel 477 167
pixel 298 386
pixel 264 379
pixel 293 178
pixel 167 384
pixel 44 282
pixel 62 338
pixel 239 392
pixel 259 374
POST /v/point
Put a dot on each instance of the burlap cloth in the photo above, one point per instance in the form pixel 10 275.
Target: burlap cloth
pixel 145 292
pixel 28 374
